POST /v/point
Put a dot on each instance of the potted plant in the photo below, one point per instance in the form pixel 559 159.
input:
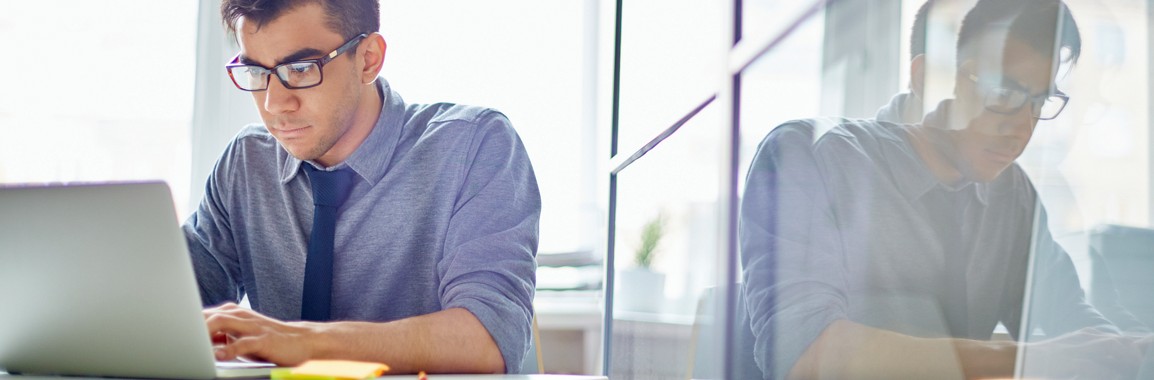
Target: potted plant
pixel 640 288
pixel 651 235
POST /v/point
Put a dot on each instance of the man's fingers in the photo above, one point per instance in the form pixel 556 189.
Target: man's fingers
pixel 245 313
pixel 224 306
pixel 243 333
pixel 234 310
pixel 1093 354
pixel 220 309
pixel 219 338
pixel 232 325
pixel 248 347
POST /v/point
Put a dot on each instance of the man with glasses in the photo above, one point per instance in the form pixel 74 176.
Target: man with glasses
pixel 906 108
pixel 889 250
pixel 359 226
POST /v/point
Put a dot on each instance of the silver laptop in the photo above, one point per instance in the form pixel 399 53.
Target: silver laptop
pixel 96 280
pixel 1032 363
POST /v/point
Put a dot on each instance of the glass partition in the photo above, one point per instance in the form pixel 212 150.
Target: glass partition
pixel 985 212
pixel 667 256
pixel 799 252
pixel 1091 168
pixel 941 189
pixel 672 59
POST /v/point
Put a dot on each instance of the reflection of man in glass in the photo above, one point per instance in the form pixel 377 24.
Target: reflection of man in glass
pixel 878 249
pixel 906 107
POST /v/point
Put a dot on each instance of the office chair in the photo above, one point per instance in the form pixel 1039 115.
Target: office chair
pixel 534 364
pixel 702 365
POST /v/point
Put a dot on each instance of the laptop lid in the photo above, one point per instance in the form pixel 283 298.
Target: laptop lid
pixel 1050 283
pixel 1026 325
pixel 97 280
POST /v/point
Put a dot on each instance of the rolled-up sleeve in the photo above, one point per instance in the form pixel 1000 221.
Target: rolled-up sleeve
pixel 489 266
pixel 793 272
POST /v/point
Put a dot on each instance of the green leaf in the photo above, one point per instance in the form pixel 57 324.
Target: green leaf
pixel 651 235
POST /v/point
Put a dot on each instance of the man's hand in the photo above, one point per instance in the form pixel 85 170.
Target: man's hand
pixel 1087 353
pixel 244 333
pixel 447 341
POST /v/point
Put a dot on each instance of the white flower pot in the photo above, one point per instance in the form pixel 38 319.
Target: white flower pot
pixel 640 290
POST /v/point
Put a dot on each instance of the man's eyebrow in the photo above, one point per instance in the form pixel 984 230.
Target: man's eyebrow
pixel 300 54
pixel 1007 82
pixel 295 56
pixel 246 60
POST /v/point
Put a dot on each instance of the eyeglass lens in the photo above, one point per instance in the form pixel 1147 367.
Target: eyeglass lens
pixel 1007 101
pixel 291 75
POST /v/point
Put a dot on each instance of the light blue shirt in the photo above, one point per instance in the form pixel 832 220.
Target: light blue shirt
pixel 840 226
pixel 443 213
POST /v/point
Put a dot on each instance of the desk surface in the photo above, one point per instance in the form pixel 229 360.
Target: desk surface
pixel 431 377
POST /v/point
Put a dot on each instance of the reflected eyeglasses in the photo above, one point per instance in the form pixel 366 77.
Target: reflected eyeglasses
pixel 1007 101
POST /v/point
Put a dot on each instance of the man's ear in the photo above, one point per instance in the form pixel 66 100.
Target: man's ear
pixel 918 75
pixel 373 56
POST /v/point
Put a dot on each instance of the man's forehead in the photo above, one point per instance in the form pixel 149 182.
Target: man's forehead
pixel 1012 62
pixel 297 33
pixel 277 42
pixel 294 55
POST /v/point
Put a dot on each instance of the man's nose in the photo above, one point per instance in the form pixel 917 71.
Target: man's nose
pixel 1020 124
pixel 278 99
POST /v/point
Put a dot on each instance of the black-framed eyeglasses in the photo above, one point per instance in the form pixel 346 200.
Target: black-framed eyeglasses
pixel 293 75
pixel 1007 101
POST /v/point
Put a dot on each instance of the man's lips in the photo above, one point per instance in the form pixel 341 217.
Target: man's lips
pixel 1001 155
pixel 291 131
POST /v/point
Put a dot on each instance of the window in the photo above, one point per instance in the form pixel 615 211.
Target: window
pixel 535 62
pixel 103 91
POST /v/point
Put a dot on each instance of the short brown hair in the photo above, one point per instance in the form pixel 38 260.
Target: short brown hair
pixel 1044 25
pixel 347 17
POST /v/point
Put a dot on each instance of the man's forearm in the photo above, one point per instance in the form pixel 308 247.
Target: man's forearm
pixel 850 350
pixel 450 340
pixel 986 359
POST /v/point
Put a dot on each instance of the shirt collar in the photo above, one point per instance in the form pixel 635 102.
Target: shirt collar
pixel 371 159
pixel 914 178
pixel 903 108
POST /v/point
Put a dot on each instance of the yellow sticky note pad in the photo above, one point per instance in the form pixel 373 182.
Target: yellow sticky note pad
pixel 338 369
pixel 287 374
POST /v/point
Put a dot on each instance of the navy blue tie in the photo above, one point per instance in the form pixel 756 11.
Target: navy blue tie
pixel 330 189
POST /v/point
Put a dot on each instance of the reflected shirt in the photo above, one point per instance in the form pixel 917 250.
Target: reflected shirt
pixel 838 225
pixel 903 108
pixel 906 108
pixel 443 213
